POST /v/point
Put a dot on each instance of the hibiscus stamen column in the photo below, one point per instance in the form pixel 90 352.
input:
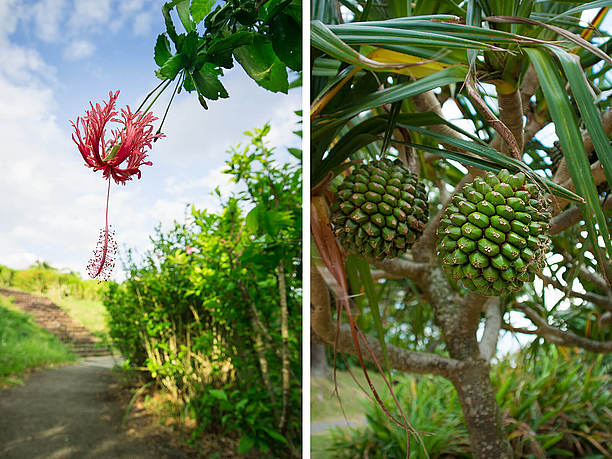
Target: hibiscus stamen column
pixel 103 261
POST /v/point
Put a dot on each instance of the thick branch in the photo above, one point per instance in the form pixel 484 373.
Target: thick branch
pixel 563 338
pixel 562 175
pixel 493 321
pixel 493 120
pixel 399 358
pixel 511 114
pixel 599 177
pixel 401 268
pixel 572 216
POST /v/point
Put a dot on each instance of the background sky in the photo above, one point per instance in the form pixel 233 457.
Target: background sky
pixel 55 57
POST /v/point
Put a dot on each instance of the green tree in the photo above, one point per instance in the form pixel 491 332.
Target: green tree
pixel 381 75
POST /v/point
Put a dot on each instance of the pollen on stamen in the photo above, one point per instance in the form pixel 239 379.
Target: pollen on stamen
pixel 101 264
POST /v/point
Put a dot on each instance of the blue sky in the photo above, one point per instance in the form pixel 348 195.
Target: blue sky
pixel 56 56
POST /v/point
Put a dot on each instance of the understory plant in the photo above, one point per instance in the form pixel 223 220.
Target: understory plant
pixel 542 415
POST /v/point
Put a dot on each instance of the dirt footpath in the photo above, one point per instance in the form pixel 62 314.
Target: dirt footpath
pixel 70 412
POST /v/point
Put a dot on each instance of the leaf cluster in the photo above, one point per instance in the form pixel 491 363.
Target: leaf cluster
pixel 544 414
pixel 264 37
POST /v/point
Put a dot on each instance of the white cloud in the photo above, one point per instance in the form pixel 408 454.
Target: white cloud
pixel 143 22
pixel 79 49
pixel 47 15
pixel 90 13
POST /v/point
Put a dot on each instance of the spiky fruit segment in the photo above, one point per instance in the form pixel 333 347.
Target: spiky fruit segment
pixel 497 245
pixel 380 210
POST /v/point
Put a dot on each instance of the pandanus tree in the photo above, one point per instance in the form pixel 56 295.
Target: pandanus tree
pixel 517 224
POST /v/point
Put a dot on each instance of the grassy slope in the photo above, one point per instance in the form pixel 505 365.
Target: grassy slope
pixel 23 345
pixel 90 313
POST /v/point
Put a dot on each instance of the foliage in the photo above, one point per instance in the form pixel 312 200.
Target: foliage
pixel 43 278
pixel 264 37
pixel 202 312
pixel 554 405
pixel 23 345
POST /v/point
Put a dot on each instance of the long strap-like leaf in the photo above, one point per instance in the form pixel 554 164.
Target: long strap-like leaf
pixel 570 138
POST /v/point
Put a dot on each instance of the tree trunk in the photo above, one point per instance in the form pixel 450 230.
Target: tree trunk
pixel 459 320
pixel 318 359
pixel 282 293
pixel 481 412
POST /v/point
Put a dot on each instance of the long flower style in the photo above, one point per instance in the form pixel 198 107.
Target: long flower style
pixel 119 157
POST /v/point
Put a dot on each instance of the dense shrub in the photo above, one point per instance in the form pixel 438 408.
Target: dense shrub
pixel 203 312
pixel 557 405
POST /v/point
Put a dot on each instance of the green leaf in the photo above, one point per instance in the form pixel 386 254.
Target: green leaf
pixel 286 35
pixel 570 138
pixel 182 8
pixel 370 289
pixel 295 152
pixel 207 82
pixel 245 444
pixel 172 67
pixel 200 8
pixel 162 50
pixel 586 104
pixel 218 394
pixel 275 435
pixel 261 63
pixel 586 6
pixel 235 40
pixel 252 220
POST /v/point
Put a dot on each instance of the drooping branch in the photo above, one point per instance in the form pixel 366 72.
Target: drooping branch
pixel 561 337
pixel 599 300
pixel 399 358
pixel 493 321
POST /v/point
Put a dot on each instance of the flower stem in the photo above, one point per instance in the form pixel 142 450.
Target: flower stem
pixel 150 94
pixel 155 98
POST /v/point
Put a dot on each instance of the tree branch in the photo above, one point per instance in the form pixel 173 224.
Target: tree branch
pixel 599 300
pixel 572 216
pixel 399 358
pixel 562 175
pixel 584 273
pixel 599 177
pixel 563 338
pixel 400 268
pixel 489 116
pixel 493 321
pixel 511 114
